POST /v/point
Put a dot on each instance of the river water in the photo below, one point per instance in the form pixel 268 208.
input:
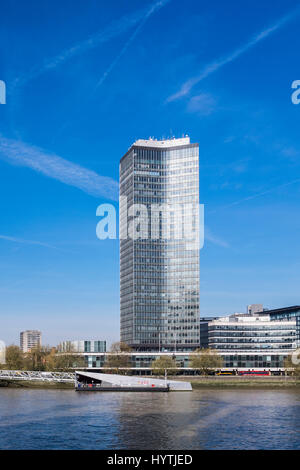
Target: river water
pixel 205 419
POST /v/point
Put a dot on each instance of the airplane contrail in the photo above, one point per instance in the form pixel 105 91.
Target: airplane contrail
pixel 215 66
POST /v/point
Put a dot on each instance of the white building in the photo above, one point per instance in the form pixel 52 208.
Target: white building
pixel 82 346
pixel 252 333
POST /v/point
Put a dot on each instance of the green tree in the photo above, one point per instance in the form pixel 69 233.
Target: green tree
pixel 14 358
pixel 206 359
pixel 162 364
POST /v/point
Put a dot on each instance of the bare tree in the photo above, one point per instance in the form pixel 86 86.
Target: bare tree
pixel 162 364
pixel 35 359
pixel 120 346
pixel 205 360
pixel 117 358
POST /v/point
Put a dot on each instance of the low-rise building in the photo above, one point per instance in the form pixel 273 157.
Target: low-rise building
pixel 83 346
pixel 252 333
pixel 286 313
pixel 141 363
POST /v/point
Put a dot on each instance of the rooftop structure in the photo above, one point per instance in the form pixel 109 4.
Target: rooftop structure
pixel 254 308
pixel 154 143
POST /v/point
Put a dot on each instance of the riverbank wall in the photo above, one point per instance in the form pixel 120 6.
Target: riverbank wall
pixel 198 382
pixel 24 384
pixel 244 382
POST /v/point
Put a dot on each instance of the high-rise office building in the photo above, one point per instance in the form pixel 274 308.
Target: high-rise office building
pixel 30 339
pixel 159 269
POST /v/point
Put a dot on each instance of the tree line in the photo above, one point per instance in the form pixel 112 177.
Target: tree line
pixel 44 358
pixel 41 358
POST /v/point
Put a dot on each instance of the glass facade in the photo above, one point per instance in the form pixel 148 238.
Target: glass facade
pixel 141 363
pixel 287 313
pixel 94 346
pixel 82 346
pixel 259 361
pixel 204 322
pixel 159 274
pixel 251 334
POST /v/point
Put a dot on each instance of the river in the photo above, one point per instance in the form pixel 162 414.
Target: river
pixel 202 419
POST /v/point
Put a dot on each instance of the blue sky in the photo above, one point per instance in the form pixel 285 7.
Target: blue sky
pixel 84 80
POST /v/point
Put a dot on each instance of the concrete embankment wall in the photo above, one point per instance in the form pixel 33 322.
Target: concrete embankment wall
pixel 244 381
pixel 35 384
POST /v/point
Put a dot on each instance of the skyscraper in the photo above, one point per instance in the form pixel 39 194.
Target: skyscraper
pixel 30 339
pixel 159 269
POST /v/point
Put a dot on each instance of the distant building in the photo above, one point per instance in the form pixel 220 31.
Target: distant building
pixel 254 308
pixel 30 339
pixel 81 346
pixel 252 333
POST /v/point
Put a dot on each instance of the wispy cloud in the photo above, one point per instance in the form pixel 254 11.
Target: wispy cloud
pixel 203 104
pixel 263 193
pixel 291 153
pixel 156 6
pixel 115 29
pixel 209 236
pixel 147 13
pixel 215 66
pixel 25 242
pixel 260 194
pixel 53 166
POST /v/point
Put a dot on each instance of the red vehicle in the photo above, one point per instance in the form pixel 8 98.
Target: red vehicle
pixel 254 372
